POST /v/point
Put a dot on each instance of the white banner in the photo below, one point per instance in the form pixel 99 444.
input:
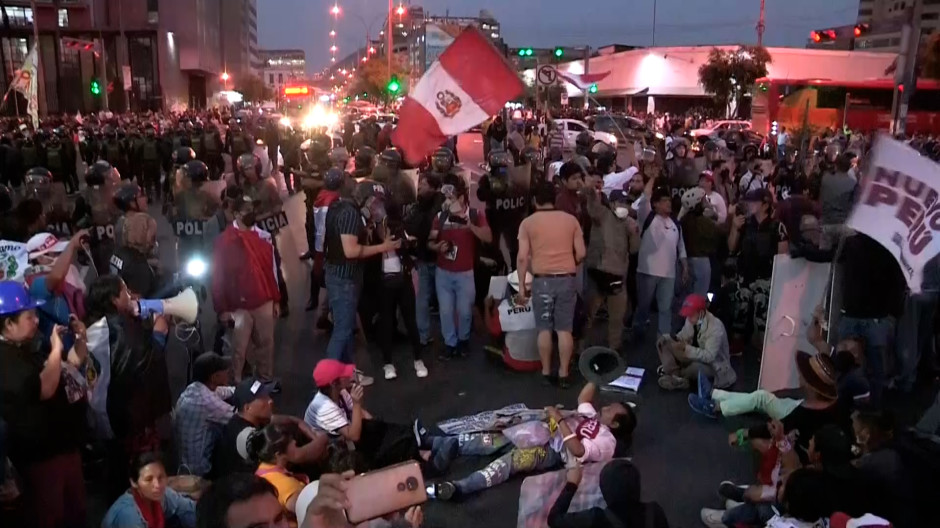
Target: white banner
pixel 13 260
pixel 899 206
pixel 26 81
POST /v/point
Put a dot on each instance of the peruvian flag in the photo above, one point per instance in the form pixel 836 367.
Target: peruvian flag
pixel 470 82
pixel 584 80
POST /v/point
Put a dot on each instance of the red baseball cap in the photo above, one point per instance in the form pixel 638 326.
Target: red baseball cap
pixel 329 370
pixel 693 303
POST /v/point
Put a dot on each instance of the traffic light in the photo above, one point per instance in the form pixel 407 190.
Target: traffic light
pixel 95 87
pixel 346 100
pixel 593 88
pixel 861 29
pixel 526 52
pixel 823 35
pixel 393 86
pixel 559 53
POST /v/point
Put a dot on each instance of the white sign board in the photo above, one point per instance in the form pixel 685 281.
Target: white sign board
pixel 546 75
pixel 126 75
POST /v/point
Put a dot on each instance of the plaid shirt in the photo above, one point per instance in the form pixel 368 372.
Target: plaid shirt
pixel 196 410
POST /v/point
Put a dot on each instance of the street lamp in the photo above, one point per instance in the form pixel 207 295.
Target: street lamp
pixel 335 10
pixel 400 11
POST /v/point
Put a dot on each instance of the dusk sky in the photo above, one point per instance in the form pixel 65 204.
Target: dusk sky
pixel 305 24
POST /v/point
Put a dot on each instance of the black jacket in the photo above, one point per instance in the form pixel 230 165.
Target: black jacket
pixel 652 515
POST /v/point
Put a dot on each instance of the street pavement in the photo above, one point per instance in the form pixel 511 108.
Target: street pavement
pixel 682 456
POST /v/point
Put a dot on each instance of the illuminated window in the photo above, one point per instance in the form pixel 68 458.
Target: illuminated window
pixel 19 16
pixel 63 18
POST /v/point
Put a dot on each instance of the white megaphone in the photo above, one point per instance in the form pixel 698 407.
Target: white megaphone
pixel 184 306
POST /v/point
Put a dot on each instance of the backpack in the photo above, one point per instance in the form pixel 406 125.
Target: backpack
pixel 114 152
pixel 649 221
pixel 150 151
pixel 54 159
pixel 210 144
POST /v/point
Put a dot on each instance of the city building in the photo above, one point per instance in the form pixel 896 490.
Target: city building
pixel 281 67
pixel 239 21
pixel 147 54
pixel 883 19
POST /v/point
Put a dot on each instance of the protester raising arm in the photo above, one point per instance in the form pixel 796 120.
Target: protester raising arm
pixel 52 369
pixel 60 269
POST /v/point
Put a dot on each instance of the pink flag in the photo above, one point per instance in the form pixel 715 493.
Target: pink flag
pixel 470 82
pixel 584 80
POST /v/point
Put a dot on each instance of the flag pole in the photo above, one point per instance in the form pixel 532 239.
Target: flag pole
pixel 41 94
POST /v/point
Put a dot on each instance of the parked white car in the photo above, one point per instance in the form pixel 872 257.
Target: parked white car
pixel 714 127
pixel 573 127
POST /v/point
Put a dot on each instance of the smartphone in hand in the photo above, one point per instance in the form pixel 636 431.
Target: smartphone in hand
pixel 387 490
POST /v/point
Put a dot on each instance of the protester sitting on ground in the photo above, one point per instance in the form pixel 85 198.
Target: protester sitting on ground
pixel 243 501
pixel 149 503
pixel 883 468
pixel 255 409
pixel 586 436
pixel 514 338
pixel 614 237
pixel 336 409
pixel 806 499
pixel 620 487
pixel 273 448
pixel 699 350
pixel 202 411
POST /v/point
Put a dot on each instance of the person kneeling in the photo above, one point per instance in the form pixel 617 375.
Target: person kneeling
pixel 587 435
pixel 337 409
pixel 701 346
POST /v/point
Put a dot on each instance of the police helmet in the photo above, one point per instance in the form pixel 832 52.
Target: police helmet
pixel 125 195
pixel 183 155
pixel 499 160
pixel 390 158
pixel 37 177
pixel 339 157
pixel 442 161
pixel 100 173
pixel 196 171
pixel 692 197
pixel 365 158
pixel 710 148
pixel 584 140
pixel 532 156
pixel 333 180
pixel 368 188
pixel 320 145
pixel 248 160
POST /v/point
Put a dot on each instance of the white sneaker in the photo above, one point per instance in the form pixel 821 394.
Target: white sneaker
pixel 732 504
pixel 420 370
pixel 712 518
pixel 364 380
pixel 390 373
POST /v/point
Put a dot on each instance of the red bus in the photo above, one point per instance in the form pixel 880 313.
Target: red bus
pixel 864 105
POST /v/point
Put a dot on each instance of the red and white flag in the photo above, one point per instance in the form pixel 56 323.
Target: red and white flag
pixel 470 82
pixel 584 80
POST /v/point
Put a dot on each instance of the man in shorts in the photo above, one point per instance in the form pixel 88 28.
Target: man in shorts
pixel 551 244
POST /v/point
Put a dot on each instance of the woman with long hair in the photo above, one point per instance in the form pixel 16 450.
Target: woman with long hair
pixel 149 503
pixel 272 447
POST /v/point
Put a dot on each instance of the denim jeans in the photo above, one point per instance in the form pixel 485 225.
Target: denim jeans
pixel 426 287
pixel 875 333
pixel 343 296
pixel 701 270
pixel 663 288
pixel 749 514
pixel 915 336
pixel 455 295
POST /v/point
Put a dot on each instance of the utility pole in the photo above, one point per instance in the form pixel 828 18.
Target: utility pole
pixel 587 66
pixel 653 45
pixel 127 49
pixel 41 93
pixel 905 74
pixel 388 35
pixel 761 25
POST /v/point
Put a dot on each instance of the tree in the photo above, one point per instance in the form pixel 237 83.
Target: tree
pixel 253 89
pixel 729 75
pixel 371 78
pixel 931 57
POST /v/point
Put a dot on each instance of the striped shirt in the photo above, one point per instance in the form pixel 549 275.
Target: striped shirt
pixel 323 414
pixel 342 218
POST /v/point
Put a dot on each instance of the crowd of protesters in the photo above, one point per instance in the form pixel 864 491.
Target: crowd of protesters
pixel 672 248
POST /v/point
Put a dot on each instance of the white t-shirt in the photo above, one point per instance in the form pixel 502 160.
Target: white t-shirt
pixel 598 442
pixel 323 414
pixel 718 203
pixel 617 180
pixel 661 246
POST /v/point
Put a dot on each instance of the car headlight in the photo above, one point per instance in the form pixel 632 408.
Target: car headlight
pixel 659 135
pixel 196 267
pixel 613 139
pixel 285 121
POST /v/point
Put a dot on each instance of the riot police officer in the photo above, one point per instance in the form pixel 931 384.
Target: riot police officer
pixel 95 210
pixel 128 199
pixel 197 141
pixel 533 157
pixel 339 158
pixel 238 142
pixel 149 155
pixel 788 178
pixel 192 209
pixel 212 145
pixel 172 183
pixel 30 151
pixel 583 143
pixel 39 185
pixel 56 158
pixel 112 150
pixel 507 201
pixel 442 162
pixel 364 162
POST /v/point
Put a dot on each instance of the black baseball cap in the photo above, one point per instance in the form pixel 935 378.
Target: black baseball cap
pixel 208 364
pixel 250 389
pixel 618 196
pixel 758 195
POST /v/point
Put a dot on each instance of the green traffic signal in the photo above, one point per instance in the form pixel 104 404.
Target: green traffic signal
pixel 393 85
pixel 522 52
pixel 95 87
pixel 526 52
pixel 593 88
pixel 559 52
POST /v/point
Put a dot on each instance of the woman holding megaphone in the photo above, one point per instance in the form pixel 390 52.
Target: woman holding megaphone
pixel 132 392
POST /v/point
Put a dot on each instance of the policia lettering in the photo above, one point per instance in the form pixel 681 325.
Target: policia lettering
pixel 188 228
pixel 273 223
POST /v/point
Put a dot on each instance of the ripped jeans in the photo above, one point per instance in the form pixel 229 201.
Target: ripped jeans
pixel 514 462
pixel 554 298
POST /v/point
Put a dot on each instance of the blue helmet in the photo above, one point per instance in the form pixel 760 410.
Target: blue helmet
pixel 14 298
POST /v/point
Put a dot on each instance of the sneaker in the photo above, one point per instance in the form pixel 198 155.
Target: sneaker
pixel 421 433
pixel 390 372
pixel 730 490
pixel 670 382
pixel 448 353
pixel 702 406
pixel 660 371
pixel 704 386
pixel 445 490
pixel 364 380
pixel 420 370
pixel 712 518
pixel 463 348
pixel 732 504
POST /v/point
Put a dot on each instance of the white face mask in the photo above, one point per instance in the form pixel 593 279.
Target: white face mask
pixel 622 212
